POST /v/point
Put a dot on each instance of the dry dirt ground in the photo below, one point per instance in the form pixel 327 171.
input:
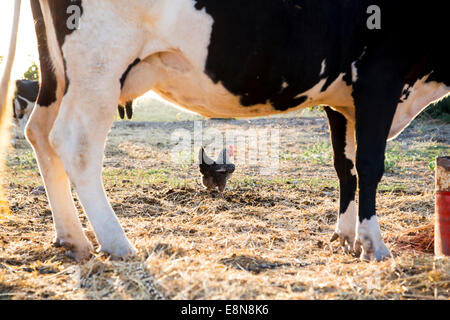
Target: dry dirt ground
pixel 267 237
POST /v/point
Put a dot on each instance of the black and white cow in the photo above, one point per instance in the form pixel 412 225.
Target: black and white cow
pixel 23 103
pixel 231 58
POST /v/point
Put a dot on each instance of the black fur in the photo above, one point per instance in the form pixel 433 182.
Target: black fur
pixel 60 16
pixel 261 45
pixel 125 74
pixel 343 166
pixel 47 93
pixel 27 89
pixel 256 46
pixel 58 9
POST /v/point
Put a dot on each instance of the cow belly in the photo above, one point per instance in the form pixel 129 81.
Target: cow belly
pixel 182 83
pixel 414 100
pixel 199 94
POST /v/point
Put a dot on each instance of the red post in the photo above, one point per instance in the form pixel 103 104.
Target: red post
pixel 442 212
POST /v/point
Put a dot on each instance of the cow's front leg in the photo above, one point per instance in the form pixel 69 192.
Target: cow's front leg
pixel 375 99
pixel 343 140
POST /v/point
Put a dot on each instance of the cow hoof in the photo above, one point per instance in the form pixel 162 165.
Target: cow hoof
pixel 77 252
pixel 369 252
pixel 370 242
pixel 346 240
pixel 119 251
pixel 345 228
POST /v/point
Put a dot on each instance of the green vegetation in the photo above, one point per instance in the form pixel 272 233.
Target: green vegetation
pixel 161 176
pixel 154 110
pixel 32 73
pixel 439 110
pixel 317 153
pixel 396 154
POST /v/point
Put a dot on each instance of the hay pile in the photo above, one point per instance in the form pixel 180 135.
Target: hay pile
pixel 419 239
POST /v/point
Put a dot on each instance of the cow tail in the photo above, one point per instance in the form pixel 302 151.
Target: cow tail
pixel 5 101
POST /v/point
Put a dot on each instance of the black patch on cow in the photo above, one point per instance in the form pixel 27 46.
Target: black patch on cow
pixel 259 46
pixel 23 105
pixel 27 89
pixel 347 181
pixel 60 16
pixel 125 74
pixel 47 93
pixel 405 93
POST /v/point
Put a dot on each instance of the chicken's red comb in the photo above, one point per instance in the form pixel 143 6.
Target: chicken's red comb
pixel 231 149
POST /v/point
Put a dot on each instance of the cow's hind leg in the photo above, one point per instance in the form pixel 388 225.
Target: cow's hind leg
pixel 343 139
pixel 78 136
pixel 68 228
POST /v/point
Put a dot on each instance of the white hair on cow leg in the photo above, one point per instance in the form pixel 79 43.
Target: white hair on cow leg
pixel 80 144
pixel 346 224
pixel 69 232
pixel 346 227
pixel 369 239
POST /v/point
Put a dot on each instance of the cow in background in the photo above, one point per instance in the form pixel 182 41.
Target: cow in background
pixel 24 100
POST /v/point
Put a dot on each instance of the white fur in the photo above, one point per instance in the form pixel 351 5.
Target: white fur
pixel 346 227
pixel 350 145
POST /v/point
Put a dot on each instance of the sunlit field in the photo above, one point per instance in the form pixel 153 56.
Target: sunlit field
pixel 267 237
